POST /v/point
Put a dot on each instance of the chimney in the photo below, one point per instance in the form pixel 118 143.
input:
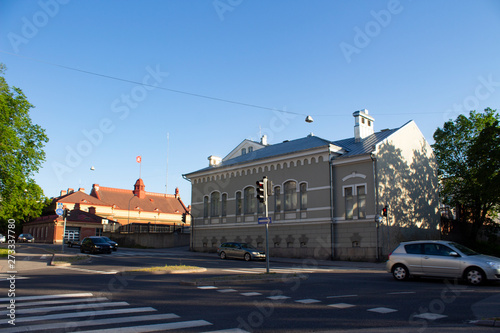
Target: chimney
pixel 214 160
pixel 63 192
pixel 263 140
pixel 81 189
pixel 70 190
pixel 363 125
pixel 77 206
pixel 92 210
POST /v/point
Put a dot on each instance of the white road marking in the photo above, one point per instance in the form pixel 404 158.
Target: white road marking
pixel 84 314
pixel 154 328
pixel 93 322
pixel 307 301
pixel 32 298
pixel 342 305
pixel 382 310
pixel 430 316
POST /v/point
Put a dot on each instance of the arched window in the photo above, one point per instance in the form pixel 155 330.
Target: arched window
pixel 205 206
pixel 238 203
pixel 303 196
pixel 291 195
pixel 249 200
pixel 243 151
pixel 215 204
pixel 224 204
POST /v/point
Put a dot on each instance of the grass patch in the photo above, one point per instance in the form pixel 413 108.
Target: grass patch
pixel 5 252
pixel 250 277
pixel 170 268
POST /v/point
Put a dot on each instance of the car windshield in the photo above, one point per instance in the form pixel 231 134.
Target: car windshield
pixel 99 241
pixel 106 239
pixel 465 250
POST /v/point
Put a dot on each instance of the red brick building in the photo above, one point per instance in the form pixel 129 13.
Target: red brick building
pixel 111 209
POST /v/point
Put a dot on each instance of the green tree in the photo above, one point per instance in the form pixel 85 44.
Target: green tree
pixel 21 155
pixel 468 156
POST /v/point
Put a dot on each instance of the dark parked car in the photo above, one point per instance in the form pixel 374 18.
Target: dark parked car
pixel 112 243
pixel 95 245
pixel 240 250
pixel 25 238
pixel 442 259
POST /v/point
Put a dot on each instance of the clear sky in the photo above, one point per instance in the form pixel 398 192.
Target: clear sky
pixel 180 80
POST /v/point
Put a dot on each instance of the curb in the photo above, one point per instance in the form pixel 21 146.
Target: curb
pixel 486 322
pixel 238 281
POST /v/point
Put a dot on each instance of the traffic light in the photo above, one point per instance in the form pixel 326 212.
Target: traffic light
pixel 261 189
pixel 384 210
pixel 66 213
pixel 184 217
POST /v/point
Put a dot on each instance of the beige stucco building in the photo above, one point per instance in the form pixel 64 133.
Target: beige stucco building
pixel 327 195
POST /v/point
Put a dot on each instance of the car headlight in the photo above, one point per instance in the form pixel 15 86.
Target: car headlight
pixel 493 264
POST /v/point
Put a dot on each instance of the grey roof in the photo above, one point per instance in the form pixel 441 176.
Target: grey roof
pixel 365 146
pixel 351 147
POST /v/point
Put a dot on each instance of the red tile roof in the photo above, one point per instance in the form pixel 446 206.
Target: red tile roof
pixel 152 202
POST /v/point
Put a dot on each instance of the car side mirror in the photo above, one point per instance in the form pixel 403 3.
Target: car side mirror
pixel 454 254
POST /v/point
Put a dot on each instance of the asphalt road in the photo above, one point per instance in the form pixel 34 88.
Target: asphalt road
pixel 313 296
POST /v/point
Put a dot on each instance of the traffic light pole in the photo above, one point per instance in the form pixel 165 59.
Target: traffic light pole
pixel 267 225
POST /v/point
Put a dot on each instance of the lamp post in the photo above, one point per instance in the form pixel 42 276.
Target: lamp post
pixel 128 218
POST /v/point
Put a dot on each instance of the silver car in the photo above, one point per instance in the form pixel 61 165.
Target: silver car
pixel 442 259
pixel 239 250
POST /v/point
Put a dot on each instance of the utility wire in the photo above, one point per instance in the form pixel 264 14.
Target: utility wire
pixel 194 94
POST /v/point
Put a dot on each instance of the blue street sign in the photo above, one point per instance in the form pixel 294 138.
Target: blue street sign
pixel 59 211
pixel 264 220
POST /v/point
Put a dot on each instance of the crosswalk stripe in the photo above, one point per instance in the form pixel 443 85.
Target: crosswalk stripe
pixel 154 328
pixel 32 298
pixel 62 301
pixel 84 314
pixel 87 270
pixel 94 322
pixel 66 308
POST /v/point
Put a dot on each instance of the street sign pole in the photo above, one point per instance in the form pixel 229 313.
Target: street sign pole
pixel 267 224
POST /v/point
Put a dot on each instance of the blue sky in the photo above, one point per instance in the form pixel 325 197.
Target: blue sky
pixel 111 80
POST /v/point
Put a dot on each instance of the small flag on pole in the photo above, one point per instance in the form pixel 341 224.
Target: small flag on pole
pixel 138 159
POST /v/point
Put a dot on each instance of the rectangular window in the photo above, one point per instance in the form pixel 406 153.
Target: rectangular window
pixel 224 204
pixel 303 196
pixel 238 203
pixel 361 193
pixel 277 199
pixel 205 207
pixel 349 203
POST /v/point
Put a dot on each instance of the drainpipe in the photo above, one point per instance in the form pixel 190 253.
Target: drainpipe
pixel 375 189
pixel 332 210
pixel 191 243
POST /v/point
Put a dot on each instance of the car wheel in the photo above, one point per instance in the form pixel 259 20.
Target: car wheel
pixel 223 255
pixel 400 272
pixel 474 276
pixel 247 257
